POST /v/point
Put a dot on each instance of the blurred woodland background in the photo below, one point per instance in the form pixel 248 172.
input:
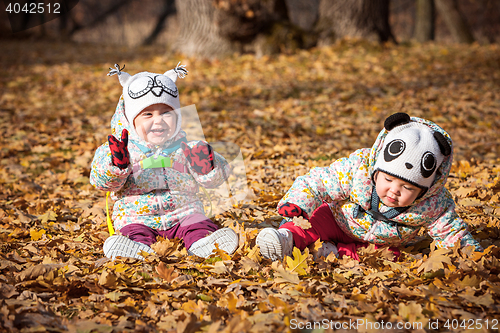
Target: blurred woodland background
pixel 214 28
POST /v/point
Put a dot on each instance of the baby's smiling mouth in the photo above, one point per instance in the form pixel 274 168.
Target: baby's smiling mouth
pixel 158 131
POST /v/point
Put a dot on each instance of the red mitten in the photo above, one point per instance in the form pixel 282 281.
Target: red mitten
pixel 200 157
pixel 291 210
pixel 119 152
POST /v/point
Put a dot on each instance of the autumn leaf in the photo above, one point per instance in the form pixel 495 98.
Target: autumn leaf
pixel 36 234
pixel 254 254
pixel 116 296
pixel 219 268
pixel 248 264
pixel 463 192
pixel 165 247
pixel 298 263
pixel 435 261
pixel 165 273
pixel 284 275
pixel 219 253
pixel 288 114
pixel 470 202
pixel 380 275
pixel 301 222
pixel 485 300
pixel 412 312
pixel 108 279
pixel 48 216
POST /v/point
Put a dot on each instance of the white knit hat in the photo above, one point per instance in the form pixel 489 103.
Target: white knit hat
pixel 411 151
pixel 145 89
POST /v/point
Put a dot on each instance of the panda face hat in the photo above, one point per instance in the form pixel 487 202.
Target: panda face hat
pixel 145 89
pixel 411 151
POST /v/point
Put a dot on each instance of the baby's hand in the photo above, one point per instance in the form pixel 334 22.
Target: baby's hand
pixel 291 210
pixel 200 157
pixel 119 152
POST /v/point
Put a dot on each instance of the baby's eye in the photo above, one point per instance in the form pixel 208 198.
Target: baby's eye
pixel 147 114
pixel 388 179
pixel 409 188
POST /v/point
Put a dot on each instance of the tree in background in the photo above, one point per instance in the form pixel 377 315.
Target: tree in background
pixel 425 20
pixel 168 10
pixel 454 20
pixel 354 18
pixel 214 27
pixel 449 11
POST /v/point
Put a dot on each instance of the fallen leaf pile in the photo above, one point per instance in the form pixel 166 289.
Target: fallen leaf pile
pixel 288 113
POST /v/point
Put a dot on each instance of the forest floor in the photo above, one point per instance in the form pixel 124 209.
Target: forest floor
pixel 288 113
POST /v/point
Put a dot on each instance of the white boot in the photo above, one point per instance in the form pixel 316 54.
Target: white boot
pixel 225 238
pixel 275 244
pixel 121 246
pixel 325 249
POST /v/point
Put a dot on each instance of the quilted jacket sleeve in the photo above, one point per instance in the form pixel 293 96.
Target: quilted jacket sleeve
pixel 449 227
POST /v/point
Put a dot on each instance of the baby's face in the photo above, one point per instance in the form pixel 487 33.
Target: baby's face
pixel 395 192
pixel 156 123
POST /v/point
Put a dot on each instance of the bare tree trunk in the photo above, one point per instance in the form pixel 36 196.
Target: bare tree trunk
pixel 100 17
pixel 425 21
pixel 212 28
pixel 199 32
pixel 168 9
pixel 354 18
pixel 454 20
pixel 303 13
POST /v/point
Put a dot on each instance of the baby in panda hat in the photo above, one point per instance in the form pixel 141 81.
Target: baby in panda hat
pixel 381 195
pixel 154 173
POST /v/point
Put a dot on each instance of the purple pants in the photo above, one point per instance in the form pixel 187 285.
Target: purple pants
pixel 190 229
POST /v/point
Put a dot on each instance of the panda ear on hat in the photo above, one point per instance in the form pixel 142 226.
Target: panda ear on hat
pixel 444 146
pixel 122 76
pixel 396 119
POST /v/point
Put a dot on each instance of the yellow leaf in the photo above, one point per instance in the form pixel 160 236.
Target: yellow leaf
pixel 219 253
pixel 485 300
pixel 115 296
pixel 108 280
pixel 470 202
pixel 36 234
pixel 248 264
pixel 190 306
pixel 219 268
pixel 435 261
pixel 49 216
pixel 254 254
pixel 411 312
pixel 166 273
pixel 277 302
pixel 298 264
pixel 463 192
pixel 301 222
pixel 232 300
pixel 284 276
pixel 165 247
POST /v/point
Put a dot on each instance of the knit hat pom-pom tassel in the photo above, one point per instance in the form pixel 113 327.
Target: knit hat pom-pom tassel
pixel 116 70
pixel 181 70
pixel 122 76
